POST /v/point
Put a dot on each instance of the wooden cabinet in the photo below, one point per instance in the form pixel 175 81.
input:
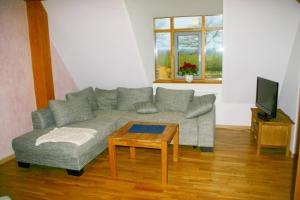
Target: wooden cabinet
pixel 275 133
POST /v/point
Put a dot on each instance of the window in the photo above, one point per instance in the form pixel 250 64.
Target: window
pixel 194 41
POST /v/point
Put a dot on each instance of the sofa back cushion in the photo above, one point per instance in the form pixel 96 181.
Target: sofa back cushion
pixel 106 99
pixel 85 93
pixel 173 100
pixel 42 118
pixel 126 97
pixel 70 111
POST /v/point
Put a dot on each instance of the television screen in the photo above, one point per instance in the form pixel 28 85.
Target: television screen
pixel 266 97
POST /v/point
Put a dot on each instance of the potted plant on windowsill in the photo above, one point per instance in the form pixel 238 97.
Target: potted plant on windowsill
pixel 188 70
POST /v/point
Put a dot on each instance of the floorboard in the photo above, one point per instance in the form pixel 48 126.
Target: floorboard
pixel 233 171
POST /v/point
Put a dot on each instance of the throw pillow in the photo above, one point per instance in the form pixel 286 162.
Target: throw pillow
pixel 126 97
pixel 85 93
pixel 200 105
pixel 70 111
pixel 42 118
pixel 106 99
pixel 145 107
pixel 173 100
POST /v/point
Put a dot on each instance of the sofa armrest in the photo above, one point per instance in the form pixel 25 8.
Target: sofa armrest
pixel 42 118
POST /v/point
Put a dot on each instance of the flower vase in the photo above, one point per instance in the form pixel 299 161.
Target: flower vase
pixel 188 78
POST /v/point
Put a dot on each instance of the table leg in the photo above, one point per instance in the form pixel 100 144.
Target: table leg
pixel 132 152
pixel 287 149
pixel 164 162
pixel 112 158
pixel 258 150
pixel 176 145
pixel 259 135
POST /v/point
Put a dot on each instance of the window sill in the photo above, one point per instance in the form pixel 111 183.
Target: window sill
pixel 213 81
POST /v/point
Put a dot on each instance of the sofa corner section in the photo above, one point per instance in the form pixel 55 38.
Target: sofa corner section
pixel 206 130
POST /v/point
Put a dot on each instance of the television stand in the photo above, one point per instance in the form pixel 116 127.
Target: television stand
pixel 264 116
pixel 274 133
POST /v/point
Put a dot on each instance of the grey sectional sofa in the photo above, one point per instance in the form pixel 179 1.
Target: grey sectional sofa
pixel 114 109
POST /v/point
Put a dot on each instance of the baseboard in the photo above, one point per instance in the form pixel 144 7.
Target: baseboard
pixel 6 159
pixel 234 127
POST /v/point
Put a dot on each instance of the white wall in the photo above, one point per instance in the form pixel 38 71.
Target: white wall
pixel 289 96
pixel 258 39
pixel 95 41
pixel 63 82
pixel 226 113
pixel 17 98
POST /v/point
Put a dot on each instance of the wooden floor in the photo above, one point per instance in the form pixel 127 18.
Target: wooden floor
pixel 233 171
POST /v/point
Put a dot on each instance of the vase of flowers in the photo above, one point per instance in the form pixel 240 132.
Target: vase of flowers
pixel 188 78
pixel 188 70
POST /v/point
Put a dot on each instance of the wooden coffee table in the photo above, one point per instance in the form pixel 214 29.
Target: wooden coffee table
pixel 144 139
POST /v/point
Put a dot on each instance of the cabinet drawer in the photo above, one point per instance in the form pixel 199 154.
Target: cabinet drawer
pixel 274 135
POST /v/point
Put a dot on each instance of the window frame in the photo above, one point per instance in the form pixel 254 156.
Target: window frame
pixel 172 32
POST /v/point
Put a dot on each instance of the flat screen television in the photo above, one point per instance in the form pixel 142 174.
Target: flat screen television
pixel 266 98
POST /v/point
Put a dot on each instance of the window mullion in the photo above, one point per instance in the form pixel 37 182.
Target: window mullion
pixel 172 50
pixel 188 29
pixel 213 28
pixel 203 47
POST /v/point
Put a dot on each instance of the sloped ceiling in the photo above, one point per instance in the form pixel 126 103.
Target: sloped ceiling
pixel 95 41
pixel 289 96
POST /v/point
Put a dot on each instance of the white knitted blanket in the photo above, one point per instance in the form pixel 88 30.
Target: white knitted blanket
pixel 77 136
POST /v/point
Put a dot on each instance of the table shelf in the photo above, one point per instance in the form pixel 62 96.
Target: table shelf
pixel 275 133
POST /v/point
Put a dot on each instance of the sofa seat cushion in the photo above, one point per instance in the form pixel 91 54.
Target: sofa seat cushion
pixel 24 147
pixel 145 107
pixel 188 128
pixel 63 154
